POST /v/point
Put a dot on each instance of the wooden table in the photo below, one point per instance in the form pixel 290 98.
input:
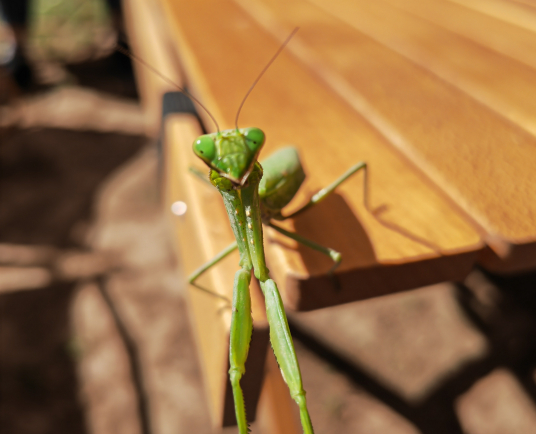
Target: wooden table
pixel 438 97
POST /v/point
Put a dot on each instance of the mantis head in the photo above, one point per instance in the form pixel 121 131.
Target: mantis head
pixel 231 153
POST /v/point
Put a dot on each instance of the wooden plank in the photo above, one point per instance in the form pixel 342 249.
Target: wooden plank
pixel 457 60
pixel 411 239
pixel 199 241
pixel 506 38
pixel 521 13
pixel 481 155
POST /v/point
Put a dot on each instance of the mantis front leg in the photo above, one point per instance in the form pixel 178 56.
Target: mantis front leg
pixel 282 345
pixel 241 320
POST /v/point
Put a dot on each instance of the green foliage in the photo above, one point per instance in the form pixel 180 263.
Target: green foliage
pixel 70 30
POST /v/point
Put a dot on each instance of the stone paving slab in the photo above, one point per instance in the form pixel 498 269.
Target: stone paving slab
pixel 408 341
pixel 497 404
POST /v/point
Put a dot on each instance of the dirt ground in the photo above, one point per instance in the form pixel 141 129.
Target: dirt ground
pixel 94 336
pixel 92 319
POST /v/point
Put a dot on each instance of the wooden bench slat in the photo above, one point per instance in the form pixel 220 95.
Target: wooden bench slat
pixel 521 13
pixel 506 38
pixel 474 153
pixel 482 73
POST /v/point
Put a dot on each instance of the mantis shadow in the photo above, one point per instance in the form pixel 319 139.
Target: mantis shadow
pixel 332 223
pixel 378 212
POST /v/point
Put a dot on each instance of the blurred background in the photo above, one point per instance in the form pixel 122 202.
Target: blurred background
pixel 78 182
pixel 94 332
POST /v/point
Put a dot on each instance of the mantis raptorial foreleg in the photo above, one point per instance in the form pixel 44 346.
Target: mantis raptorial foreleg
pixel 284 349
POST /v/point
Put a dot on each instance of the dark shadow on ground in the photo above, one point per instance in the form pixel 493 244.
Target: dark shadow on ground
pixel 48 179
pixel 48 182
pixel 38 386
pixel 511 326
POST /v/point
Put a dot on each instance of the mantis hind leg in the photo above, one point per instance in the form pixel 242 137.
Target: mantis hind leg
pixel 284 350
pixel 335 256
pixel 241 328
pixel 326 191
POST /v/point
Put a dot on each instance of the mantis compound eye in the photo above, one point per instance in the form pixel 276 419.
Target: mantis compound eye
pixel 254 138
pixel 204 148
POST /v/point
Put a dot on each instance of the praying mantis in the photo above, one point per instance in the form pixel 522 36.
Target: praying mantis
pixel 253 194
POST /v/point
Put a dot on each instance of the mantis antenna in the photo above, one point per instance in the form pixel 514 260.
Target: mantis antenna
pixel 289 37
pixel 168 80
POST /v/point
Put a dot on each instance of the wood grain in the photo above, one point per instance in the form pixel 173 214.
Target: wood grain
pixel 464 113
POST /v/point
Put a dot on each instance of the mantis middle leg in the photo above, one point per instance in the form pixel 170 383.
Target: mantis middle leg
pixel 326 191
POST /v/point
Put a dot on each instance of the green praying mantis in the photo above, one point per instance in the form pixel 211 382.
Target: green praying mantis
pixel 255 194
